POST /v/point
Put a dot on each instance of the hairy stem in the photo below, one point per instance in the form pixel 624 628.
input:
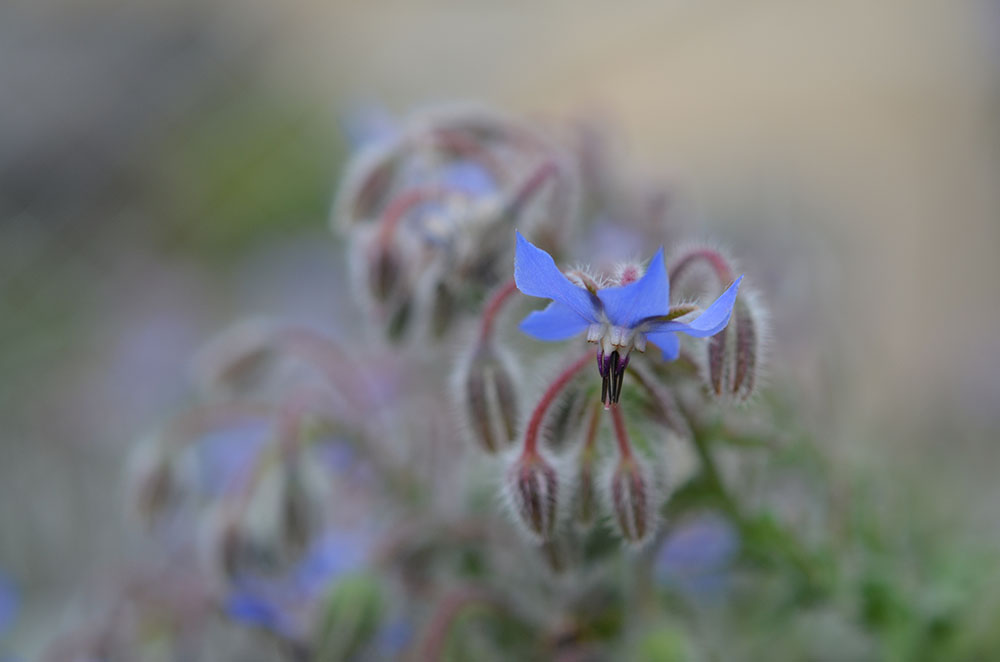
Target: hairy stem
pixel 493 307
pixel 537 416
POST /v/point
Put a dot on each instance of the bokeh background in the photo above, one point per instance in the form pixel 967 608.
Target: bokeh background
pixel 166 168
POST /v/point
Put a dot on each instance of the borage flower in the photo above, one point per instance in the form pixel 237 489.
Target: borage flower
pixel 618 317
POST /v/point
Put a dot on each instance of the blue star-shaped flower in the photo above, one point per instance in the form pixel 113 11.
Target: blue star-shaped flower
pixel 618 318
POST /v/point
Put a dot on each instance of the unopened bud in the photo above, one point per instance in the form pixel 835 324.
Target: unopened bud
pixel 238 360
pixel 385 272
pixel 286 510
pixel 632 502
pixel 532 490
pixel 486 392
pixel 443 308
pixel 399 320
pixel 734 352
pixel 151 480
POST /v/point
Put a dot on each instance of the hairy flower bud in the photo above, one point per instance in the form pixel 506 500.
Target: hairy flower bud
pixel 631 501
pixel 485 390
pixel 734 353
pixel 532 491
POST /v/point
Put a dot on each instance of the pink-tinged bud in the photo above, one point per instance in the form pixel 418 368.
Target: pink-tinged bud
pixel 632 504
pixel 532 490
pixel 485 390
pixel 734 353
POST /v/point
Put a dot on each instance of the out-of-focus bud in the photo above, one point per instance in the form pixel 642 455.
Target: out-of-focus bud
pixel 385 272
pixel 532 490
pixel 286 509
pixel 443 309
pixel 222 547
pixel 632 502
pixel 734 352
pixel 399 320
pixel 238 360
pixel 485 389
pixel 348 618
pixel 151 480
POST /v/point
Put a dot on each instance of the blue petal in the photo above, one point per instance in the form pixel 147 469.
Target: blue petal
pixel 250 609
pixel 714 319
pixel 9 602
pixel 647 297
pixel 557 322
pixel 536 274
pixel 668 343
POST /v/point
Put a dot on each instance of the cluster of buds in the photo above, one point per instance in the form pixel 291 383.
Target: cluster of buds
pixel 428 213
pixel 437 218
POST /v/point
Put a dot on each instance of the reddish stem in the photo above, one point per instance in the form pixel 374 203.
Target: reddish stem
pixel 714 258
pixel 531 186
pixel 531 435
pixel 592 426
pixel 444 617
pixel 621 435
pixel 467 147
pixel 493 307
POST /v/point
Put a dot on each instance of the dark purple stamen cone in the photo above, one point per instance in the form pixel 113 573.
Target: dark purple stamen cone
pixel 612 370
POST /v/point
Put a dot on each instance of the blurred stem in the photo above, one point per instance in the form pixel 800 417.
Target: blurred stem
pixel 447 612
pixel 538 415
pixel 718 263
pixel 532 185
pixel 496 302
pixel 621 434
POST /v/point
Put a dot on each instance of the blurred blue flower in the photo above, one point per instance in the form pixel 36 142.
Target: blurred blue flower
pixel 332 555
pixel 368 124
pixel 468 177
pixel 252 607
pixel 695 557
pixel 225 456
pixel 272 602
pixel 617 318
pixel 393 637
pixel 10 601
